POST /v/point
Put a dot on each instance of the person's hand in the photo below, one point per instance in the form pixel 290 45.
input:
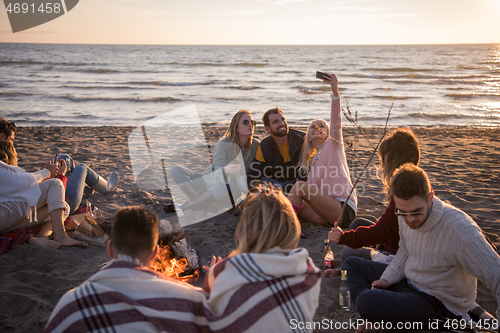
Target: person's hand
pixel 232 169
pixel 62 167
pixel 380 284
pixel 335 234
pixel 333 81
pixel 53 168
pixel 212 263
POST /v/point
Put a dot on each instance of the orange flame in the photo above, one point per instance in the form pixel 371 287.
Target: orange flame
pixel 166 264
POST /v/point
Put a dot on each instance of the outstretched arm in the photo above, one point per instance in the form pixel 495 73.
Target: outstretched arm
pixel 333 81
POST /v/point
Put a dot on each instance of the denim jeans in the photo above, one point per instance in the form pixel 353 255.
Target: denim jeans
pixel 182 175
pixel 285 186
pixel 80 175
pixel 401 302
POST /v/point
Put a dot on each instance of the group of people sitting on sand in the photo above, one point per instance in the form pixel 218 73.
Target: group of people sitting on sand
pixel 417 263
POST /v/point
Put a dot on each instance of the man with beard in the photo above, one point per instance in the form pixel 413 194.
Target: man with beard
pixel 277 157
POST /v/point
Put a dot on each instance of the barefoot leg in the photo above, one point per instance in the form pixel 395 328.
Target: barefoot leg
pixel 44 242
pixel 60 235
pixel 46 230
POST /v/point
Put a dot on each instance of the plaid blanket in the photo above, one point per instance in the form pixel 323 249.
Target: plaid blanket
pixel 263 292
pixel 251 293
pixel 123 297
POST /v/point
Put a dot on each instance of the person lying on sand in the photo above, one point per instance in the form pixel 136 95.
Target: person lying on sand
pixel 29 198
pixel 78 176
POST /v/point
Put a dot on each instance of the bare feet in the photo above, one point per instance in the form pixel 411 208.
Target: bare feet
pixel 44 242
pixel 331 272
pixel 66 241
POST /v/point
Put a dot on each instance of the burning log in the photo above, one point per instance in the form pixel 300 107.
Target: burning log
pixel 175 258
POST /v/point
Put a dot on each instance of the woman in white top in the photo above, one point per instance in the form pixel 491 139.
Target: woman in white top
pixel 29 198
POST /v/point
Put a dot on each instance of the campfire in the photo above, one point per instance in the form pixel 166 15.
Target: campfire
pixel 177 268
pixel 175 259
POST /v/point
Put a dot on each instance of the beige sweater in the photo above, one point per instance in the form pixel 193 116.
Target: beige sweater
pixel 445 256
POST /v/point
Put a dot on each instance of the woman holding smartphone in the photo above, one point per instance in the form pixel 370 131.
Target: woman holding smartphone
pixel 323 159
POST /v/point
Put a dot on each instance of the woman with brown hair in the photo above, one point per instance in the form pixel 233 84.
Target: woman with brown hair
pixel 29 198
pixel 266 283
pixel 235 151
pixel 400 147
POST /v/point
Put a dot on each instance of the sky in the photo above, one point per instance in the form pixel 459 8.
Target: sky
pixel 265 22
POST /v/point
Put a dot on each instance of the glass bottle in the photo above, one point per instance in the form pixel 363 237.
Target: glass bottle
pixel 344 294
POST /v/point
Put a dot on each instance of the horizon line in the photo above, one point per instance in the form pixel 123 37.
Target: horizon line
pixel 125 44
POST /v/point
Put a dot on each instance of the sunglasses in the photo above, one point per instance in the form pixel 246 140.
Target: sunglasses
pixel 248 122
pixel 399 213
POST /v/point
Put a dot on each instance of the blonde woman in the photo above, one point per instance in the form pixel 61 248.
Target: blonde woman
pixel 29 198
pixel 238 140
pixel 328 184
pixel 266 283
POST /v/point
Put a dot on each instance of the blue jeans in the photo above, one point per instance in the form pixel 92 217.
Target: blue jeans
pixel 80 175
pixel 182 175
pixel 401 302
pixel 285 186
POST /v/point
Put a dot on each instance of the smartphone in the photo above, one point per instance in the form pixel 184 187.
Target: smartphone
pixel 54 158
pixel 320 75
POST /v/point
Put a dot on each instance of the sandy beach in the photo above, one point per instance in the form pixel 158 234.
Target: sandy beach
pixel 463 164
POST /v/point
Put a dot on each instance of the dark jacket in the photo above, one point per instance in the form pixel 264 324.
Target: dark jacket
pixel 274 167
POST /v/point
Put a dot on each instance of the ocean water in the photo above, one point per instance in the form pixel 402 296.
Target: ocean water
pixel 92 85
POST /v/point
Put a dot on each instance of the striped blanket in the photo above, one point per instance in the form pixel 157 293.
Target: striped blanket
pixel 123 297
pixel 250 293
pixel 263 292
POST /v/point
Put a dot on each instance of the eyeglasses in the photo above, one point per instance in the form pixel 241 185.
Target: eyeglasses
pixel 399 213
pixel 248 122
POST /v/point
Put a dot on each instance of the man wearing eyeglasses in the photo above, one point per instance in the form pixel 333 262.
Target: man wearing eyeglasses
pixel 277 157
pixel 442 252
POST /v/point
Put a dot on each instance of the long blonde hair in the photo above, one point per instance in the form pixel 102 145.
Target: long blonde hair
pixel 308 149
pixel 232 131
pixel 268 220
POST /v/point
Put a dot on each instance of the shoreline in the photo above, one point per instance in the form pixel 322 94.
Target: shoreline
pixel 463 166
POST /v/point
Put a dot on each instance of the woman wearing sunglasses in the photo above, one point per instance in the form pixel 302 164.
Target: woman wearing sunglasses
pixel 232 158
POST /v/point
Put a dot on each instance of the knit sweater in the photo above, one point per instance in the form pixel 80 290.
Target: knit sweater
pixel 444 257
pixel 385 232
pixel 330 172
